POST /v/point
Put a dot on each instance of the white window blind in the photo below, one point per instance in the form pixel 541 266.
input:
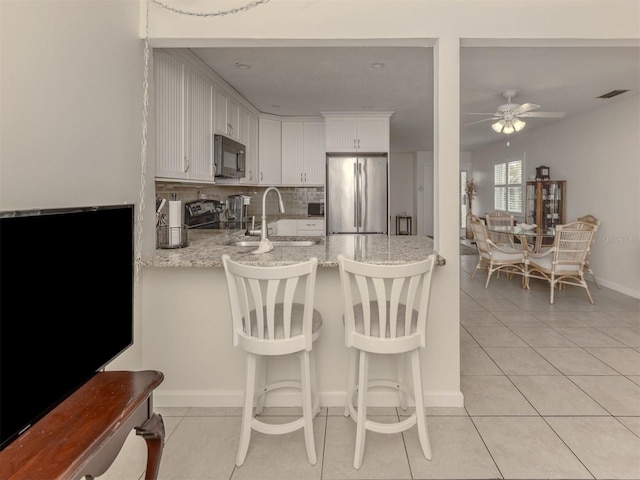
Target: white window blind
pixel 507 186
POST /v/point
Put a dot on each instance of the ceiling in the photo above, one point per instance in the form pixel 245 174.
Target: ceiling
pixel 305 81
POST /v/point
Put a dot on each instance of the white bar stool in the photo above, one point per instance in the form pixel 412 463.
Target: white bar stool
pixel 385 313
pixel 268 320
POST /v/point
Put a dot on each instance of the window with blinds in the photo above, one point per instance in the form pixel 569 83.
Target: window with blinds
pixel 507 186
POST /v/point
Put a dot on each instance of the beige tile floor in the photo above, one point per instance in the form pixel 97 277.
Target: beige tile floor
pixel 551 392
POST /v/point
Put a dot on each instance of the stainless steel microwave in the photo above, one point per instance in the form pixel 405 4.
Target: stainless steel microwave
pixel 228 157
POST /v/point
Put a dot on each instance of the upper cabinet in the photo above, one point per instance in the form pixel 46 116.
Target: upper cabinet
pixel 303 153
pixel 251 159
pixel 270 151
pixel 193 103
pixel 183 121
pixel 227 115
pixel 357 132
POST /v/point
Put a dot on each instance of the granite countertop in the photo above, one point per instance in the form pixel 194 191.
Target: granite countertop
pixel 206 247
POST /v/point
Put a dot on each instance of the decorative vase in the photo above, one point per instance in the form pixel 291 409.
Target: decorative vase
pixel 468 233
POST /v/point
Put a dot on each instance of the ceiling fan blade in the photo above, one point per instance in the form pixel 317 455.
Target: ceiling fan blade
pixel 525 107
pixel 483 120
pixel 543 114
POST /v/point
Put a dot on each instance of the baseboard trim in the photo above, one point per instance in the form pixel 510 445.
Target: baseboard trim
pixel 235 398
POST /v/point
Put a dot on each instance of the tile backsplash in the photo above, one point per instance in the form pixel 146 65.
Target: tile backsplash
pixel 295 199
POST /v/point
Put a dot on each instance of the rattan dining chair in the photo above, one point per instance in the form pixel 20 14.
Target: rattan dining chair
pixel 500 219
pixel 587 265
pixel 563 264
pixel 385 313
pixel 268 321
pixel 495 258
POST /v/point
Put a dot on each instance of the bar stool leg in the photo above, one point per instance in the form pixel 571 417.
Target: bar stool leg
pixel 307 405
pixel 400 375
pixel 314 384
pixel 419 400
pixel 261 381
pixel 247 411
pixel 362 409
pixel 351 382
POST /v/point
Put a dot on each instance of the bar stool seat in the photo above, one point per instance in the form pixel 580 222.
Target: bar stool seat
pixel 385 313
pixel 273 315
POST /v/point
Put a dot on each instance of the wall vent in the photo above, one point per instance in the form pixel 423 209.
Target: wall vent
pixel 612 93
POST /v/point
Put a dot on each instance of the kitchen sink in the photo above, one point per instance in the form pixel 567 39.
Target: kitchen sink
pixel 276 243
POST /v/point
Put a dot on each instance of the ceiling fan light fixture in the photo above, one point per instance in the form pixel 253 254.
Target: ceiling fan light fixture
pixel 508 127
pixel 518 124
pixel 498 126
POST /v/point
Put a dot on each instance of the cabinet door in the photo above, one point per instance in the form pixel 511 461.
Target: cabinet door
pixel 233 118
pixel 286 228
pixel 314 153
pixel 169 85
pixel 243 126
pixel 199 128
pixel 341 134
pixel 270 151
pixel 373 134
pixel 310 227
pixel 219 111
pixel 293 169
pixel 251 159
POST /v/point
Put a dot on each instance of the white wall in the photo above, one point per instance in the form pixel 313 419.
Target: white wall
pixel 401 188
pixel 71 96
pixel 598 154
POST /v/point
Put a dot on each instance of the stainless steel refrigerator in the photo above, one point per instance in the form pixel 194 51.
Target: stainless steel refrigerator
pixel 356 194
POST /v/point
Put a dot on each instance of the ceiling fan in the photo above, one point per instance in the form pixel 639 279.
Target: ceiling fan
pixel 508 117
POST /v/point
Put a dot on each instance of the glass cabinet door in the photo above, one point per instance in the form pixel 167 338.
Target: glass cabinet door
pixel 546 203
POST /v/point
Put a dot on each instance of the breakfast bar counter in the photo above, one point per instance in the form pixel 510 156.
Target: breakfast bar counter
pixel 206 247
pixel 186 329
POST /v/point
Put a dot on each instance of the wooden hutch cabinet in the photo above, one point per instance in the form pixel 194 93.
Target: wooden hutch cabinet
pixel 545 204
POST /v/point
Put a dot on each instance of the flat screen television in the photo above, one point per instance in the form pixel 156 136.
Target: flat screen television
pixel 66 305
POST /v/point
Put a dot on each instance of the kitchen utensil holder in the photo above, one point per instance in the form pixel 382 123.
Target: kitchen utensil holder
pixel 172 237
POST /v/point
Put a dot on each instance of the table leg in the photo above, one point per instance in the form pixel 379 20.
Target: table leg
pixel 153 432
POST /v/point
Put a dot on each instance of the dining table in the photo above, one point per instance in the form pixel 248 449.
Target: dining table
pixel 532 239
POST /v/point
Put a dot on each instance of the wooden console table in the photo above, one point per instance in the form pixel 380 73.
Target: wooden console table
pixel 82 436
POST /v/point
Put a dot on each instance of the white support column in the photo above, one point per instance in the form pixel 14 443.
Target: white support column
pixel 446 314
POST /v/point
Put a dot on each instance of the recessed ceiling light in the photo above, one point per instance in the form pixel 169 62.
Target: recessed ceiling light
pixel 377 65
pixel 243 66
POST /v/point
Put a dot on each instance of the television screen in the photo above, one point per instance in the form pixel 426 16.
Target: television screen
pixel 66 305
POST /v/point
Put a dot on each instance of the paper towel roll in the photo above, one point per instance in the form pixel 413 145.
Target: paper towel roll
pixel 175 222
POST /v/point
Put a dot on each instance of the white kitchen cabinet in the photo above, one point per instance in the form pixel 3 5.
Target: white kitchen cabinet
pixel 310 227
pixel 169 85
pixel 227 114
pixel 286 228
pixel 183 121
pixel 303 153
pixel 199 125
pixel 270 151
pixel 251 158
pixel 364 133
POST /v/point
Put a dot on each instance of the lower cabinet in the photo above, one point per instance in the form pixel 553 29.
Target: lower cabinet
pixel 310 227
pixel 298 228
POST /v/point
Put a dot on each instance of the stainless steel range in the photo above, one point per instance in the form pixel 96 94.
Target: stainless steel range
pixel 203 213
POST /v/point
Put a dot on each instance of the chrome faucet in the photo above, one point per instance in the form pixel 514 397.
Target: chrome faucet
pixel 264 231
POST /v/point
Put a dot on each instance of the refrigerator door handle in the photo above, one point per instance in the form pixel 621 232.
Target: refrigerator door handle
pixel 355 194
pixel 360 205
